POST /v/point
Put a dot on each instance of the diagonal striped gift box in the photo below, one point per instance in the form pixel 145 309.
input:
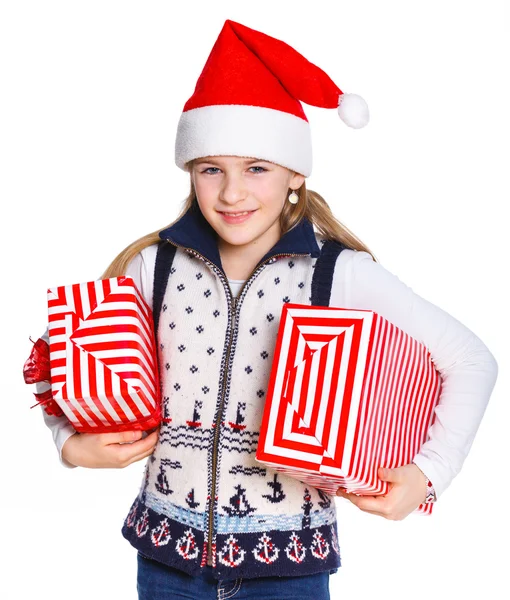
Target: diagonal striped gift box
pixel 349 392
pixel 103 360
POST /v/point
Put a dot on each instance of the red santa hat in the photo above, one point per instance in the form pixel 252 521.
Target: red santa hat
pixel 247 102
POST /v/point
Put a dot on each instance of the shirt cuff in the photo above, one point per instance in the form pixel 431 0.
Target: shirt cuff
pixel 430 492
pixel 427 468
pixel 63 435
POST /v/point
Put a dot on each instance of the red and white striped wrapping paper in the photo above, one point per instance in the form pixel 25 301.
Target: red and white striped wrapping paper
pixel 103 360
pixel 349 392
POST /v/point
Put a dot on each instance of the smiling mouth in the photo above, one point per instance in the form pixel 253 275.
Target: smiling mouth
pixel 236 214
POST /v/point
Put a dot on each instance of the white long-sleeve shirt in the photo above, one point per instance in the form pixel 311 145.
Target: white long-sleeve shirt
pixel 467 367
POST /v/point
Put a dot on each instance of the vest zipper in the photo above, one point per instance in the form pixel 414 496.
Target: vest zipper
pixel 233 305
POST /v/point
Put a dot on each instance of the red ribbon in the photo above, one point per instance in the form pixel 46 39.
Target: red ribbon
pixel 37 366
pixel 37 369
pixel 45 399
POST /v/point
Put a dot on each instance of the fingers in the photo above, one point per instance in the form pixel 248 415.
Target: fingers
pixel 367 503
pixel 127 437
pixel 129 453
pixel 381 506
pixel 121 437
pixel 141 445
pixel 140 456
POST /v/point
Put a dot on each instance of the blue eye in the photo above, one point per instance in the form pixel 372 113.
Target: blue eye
pixel 262 169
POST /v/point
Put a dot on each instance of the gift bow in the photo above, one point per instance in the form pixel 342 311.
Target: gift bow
pixel 37 369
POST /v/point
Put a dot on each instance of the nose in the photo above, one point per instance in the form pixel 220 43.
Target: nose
pixel 233 189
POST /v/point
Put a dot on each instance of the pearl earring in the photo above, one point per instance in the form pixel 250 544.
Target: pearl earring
pixel 293 198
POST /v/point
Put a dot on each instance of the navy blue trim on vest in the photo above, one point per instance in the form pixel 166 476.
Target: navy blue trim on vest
pixel 164 260
pixel 193 230
pixel 322 279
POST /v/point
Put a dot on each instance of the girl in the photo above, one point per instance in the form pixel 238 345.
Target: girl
pixel 209 521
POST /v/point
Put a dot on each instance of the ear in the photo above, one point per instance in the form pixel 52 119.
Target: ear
pixel 296 181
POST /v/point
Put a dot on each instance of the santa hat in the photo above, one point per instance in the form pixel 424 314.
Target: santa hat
pixel 247 102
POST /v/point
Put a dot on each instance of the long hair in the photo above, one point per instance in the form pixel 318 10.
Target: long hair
pixel 310 204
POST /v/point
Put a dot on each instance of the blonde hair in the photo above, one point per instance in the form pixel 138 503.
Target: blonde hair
pixel 310 204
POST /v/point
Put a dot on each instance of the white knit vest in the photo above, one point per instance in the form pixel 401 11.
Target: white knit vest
pixel 208 357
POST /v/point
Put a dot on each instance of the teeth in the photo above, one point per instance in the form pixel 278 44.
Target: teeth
pixel 237 214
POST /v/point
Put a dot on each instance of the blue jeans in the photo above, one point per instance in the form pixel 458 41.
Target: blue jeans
pixel 156 581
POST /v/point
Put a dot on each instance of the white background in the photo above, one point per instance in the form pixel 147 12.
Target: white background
pixel 91 95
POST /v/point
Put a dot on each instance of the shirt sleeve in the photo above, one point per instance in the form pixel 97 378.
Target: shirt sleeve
pixel 60 427
pixel 467 367
pixel 141 269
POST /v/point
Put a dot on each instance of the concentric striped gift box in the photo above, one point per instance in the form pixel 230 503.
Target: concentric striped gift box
pixel 103 361
pixel 349 392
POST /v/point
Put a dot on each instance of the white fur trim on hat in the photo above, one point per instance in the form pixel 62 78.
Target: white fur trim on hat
pixel 243 130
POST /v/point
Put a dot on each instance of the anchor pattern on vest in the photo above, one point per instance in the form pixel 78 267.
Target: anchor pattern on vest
pixel 265 547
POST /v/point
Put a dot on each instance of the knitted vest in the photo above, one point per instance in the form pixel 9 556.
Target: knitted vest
pixel 204 498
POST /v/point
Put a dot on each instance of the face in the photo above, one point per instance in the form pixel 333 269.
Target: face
pixel 226 185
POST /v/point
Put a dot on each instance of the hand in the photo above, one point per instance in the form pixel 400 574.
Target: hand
pixel 108 450
pixel 407 490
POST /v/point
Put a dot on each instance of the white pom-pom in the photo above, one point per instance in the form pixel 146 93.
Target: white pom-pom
pixel 353 110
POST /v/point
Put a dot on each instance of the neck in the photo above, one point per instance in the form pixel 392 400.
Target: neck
pixel 239 261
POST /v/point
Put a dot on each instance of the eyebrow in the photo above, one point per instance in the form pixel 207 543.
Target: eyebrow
pixel 248 161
